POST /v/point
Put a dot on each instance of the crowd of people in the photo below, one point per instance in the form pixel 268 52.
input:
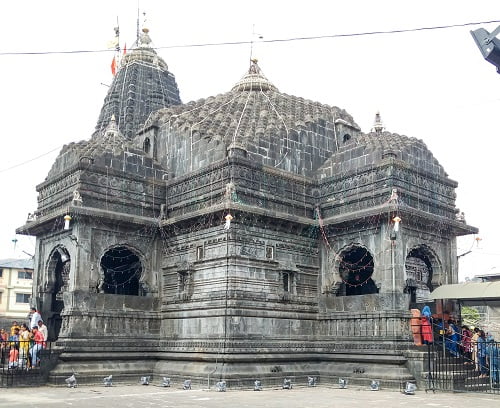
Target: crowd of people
pixel 478 348
pixel 23 342
pixel 481 350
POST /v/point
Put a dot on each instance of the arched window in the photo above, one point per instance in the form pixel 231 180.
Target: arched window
pixel 356 269
pixel 146 146
pixel 122 270
pixel 418 268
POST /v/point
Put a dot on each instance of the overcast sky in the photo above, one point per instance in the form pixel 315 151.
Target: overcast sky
pixel 430 84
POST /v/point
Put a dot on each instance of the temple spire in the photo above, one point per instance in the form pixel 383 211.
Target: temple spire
pixel 144 39
pixel 254 80
pixel 378 126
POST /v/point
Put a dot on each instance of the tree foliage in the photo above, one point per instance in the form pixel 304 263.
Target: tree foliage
pixel 470 316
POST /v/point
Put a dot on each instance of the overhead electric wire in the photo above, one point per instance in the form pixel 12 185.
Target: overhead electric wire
pixel 30 160
pixel 276 40
pixel 245 43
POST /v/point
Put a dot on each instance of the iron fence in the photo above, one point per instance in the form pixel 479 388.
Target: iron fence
pixel 24 365
pixel 460 363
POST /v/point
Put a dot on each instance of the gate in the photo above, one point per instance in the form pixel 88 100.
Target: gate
pixel 17 370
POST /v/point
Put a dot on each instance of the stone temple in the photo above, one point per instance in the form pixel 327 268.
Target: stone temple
pixel 249 235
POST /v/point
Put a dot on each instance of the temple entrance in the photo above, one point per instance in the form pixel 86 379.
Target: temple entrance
pixel 356 269
pixel 418 267
pixel 121 269
pixel 58 275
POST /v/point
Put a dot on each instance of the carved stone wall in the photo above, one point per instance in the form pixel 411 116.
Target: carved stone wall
pixel 370 186
pixel 102 315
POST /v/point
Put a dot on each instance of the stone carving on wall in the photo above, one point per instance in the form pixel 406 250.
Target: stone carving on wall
pixel 65 280
pixel 62 185
pixel 332 278
pixel 346 191
pixel 230 190
pixel 77 198
pixel 95 282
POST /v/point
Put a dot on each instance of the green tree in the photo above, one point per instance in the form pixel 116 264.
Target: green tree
pixel 470 316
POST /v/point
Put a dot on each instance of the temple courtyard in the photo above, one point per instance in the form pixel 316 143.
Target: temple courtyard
pixel 155 396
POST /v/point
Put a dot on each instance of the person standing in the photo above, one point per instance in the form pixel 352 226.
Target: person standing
pixel 38 343
pixel 466 344
pixel 454 337
pixel 14 349
pixel 13 328
pixel 3 337
pixel 494 358
pixel 35 317
pixel 427 337
pixel 473 343
pixel 24 345
pixel 43 329
pixel 481 354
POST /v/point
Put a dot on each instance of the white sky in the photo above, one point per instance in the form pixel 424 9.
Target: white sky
pixel 433 85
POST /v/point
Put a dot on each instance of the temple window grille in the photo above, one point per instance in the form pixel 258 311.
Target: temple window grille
pixel 147 145
pixel 200 253
pixel 269 252
pixel 182 281
pixel 287 282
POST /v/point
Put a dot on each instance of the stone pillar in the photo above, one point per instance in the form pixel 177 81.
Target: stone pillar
pixel 390 265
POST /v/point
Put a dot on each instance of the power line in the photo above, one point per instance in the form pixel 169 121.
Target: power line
pixel 28 161
pixel 276 40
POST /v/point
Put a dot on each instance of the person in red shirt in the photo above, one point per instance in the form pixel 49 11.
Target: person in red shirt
pixel 39 342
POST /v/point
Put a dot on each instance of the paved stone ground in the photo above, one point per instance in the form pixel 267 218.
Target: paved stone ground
pixel 125 396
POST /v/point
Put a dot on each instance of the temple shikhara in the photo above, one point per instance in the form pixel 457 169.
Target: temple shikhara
pixel 248 235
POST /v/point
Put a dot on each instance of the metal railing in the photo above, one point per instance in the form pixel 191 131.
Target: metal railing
pixel 24 364
pixel 460 364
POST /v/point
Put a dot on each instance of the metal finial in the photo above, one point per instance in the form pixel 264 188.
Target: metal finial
pixel 378 126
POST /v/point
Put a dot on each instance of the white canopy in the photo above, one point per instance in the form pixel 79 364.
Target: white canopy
pixel 469 291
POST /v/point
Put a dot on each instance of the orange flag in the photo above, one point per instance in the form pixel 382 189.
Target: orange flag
pixel 113 66
pixel 125 49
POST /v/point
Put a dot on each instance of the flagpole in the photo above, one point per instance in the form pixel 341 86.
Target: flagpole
pixel 137 33
pixel 117 48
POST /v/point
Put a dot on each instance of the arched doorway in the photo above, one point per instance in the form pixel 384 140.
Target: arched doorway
pixel 356 269
pixel 58 269
pixel 121 272
pixel 419 271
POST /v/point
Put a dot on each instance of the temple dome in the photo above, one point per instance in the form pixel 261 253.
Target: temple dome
pixel 372 148
pixel 98 151
pixel 275 129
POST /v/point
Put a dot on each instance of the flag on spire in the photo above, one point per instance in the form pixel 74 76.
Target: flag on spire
pixel 113 66
pixel 124 48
